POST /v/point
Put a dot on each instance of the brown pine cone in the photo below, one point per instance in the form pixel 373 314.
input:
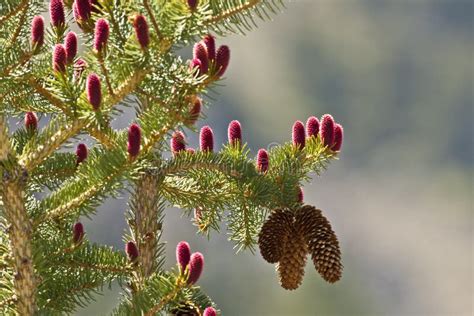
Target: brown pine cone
pixel 293 260
pixel 185 309
pixel 274 230
pixel 322 242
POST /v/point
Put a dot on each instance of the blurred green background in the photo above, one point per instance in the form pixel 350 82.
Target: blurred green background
pixel 398 74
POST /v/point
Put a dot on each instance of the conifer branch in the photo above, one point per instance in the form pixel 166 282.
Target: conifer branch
pixel 229 13
pixel 14 12
pixel 4 142
pixel 166 300
pixel 106 75
pixel 21 22
pixel 47 95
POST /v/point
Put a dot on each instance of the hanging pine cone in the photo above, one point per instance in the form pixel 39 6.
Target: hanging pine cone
pixel 274 230
pixel 322 242
pixel 185 309
pixel 293 260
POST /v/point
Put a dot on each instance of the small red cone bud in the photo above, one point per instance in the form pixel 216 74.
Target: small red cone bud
pixel 71 47
pixel 141 30
pixel 191 150
pixel 183 255
pixel 177 142
pixel 312 126
pixel 195 63
pixel 77 233
pixel 200 52
pixel 338 137
pixel 234 133
pixel 81 153
pixel 327 130
pixel 206 139
pixel 134 140
pixel 56 12
pixel 79 67
pixel 193 4
pixel 94 92
pixel 209 312
pixel 210 44
pixel 298 135
pixel 195 111
pixel 59 58
pixel 196 266
pixel 262 160
pixel 222 60
pixel 132 251
pixel 82 10
pixel 31 121
pixel 37 31
pixel 300 195
pixel 101 35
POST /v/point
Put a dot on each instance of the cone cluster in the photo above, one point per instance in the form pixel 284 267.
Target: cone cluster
pixel 288 236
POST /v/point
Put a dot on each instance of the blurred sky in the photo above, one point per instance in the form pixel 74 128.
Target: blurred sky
pixel 398 74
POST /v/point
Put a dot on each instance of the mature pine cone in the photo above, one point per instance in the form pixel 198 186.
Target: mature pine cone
pixel 185 309
pixel 274 230
pixel 322 242
pixel 293 260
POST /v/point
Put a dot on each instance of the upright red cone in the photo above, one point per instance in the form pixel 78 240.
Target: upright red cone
pixel 177 142
pixel 82 10
pixel 222 60
pixel 196 265
pixel 70 45
pixel 327 130
pixel 81 153
pixel 206 139
pixel 312 127
pixel 59 58
pixel 94 91
pixel 200 53
pixel 56 12
pixel 183 255
pixel 234 133
pixel 77 233
pixel 298 135
pixel 141 31
pixel 210 43
pixel 134 140
pixel 101 35
pixel 132 251
pixel 37 32
pixel 262 160
pixel 31 121
pixel 338 137
pixel 209 311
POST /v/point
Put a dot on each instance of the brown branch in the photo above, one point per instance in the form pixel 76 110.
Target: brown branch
pixel 105 72
pixel 14 12
pixel 149 10
pixel 48 95
pixel 226 14
pixel 155 309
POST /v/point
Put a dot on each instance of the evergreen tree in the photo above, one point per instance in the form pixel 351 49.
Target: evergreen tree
pixel 129 58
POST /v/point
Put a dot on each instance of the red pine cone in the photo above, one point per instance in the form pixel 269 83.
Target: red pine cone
pixel 298 135
pixel 177 142
pixel 134 140
pixel 31 121
pixel 101 35
pixel 37 31
pixel 81 153
pixel 209 311
pixel 300 195
pixel 59 58
pixel 206 139
pixel 71 46
pixel 196 266
pixel 210 44
pixel 262 160
pixel 195 111
pixel 141 31
pixel 338 137
pixel 183 255
pixel 312 126
pixel 192 4
pixel 327 130
pixel 132 251
pixel 82 10
pixel 200 52
pixel 56 12
pixel 77 233
pixel 234 133
pixel 222 60
pixel 94 91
